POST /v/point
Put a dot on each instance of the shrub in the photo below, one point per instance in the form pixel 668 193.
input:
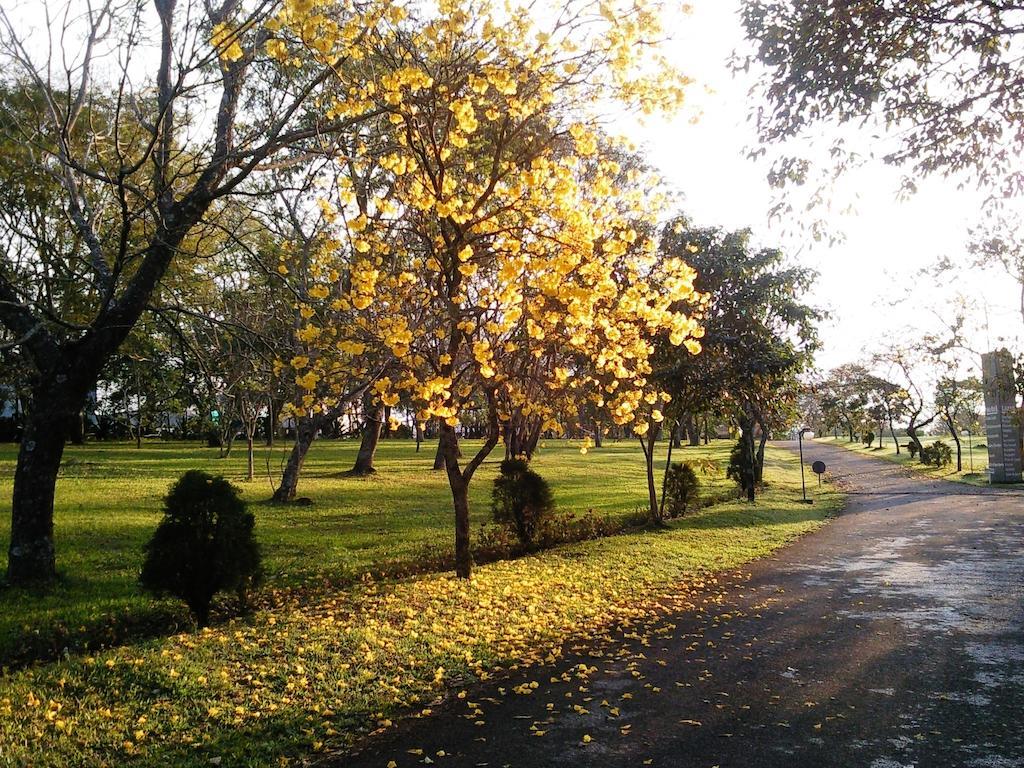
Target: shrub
pixel 938 454
pixel 869 439
pixel 912 447
pixel 203 545
pixel 521 499
pixel 740 463
pixel 682 489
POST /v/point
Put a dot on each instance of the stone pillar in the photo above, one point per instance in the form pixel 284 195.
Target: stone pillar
pixel 1001 427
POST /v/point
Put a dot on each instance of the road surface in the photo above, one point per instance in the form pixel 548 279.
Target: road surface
pixel 892 637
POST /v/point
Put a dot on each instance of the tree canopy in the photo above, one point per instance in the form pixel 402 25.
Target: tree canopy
pixel 938 83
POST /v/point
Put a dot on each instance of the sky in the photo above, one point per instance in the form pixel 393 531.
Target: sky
pixel 870 282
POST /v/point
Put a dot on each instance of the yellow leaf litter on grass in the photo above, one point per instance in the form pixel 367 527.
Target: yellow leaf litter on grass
pixel 368 650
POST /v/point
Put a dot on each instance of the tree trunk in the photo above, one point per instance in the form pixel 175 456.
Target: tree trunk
pixel 647 445
pixel 533 439
pixel 225 447
pixel 598 434
pixel 76 428
pixel 674 436
pixel 664 477
pixel 31 557
pixel 747 471
pixel 369 440
pixel 417 429
pixel 250 474
pixel 305 432
pixel 892 431
pixel 273 412
pixel 693 430
pixel 912 431
pixel 439 456
pixel 448 447
pixel 759 457
pixel 956 439
pixel 912 434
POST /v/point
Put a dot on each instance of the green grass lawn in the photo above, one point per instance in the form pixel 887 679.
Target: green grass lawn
pixel 109 500
pixel 307 673
pixel 976 458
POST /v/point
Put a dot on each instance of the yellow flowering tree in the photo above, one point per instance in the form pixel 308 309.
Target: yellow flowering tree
pixel 507 241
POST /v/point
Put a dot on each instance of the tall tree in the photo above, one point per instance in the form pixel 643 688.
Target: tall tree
pixel 138 174
pixel 957 400
pixel 506 228
pixel 907 362
pixel 759 335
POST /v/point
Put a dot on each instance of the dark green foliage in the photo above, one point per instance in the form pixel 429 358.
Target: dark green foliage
pixel 521 499
pixel 912 447
pixel 741 462
pixel 682 489
pixel 203 545
pixel 869 438
pixel 938 454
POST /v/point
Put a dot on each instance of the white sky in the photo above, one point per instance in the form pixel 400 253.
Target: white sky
pixel 886 242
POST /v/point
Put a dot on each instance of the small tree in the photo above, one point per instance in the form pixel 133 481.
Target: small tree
pixel 521 498
pixel 682 489
pixel 741 466
pixel 203 545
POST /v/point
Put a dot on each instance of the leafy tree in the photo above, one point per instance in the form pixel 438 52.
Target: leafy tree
pixel 844 397
pixel 758 334
pixel 906 360
pixel 887 401
pixel 946 74
pixel 957 401
pixel 504 229
pixel 999 243
pixel 139 179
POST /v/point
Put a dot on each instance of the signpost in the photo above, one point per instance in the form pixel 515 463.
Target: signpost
pixel 818 468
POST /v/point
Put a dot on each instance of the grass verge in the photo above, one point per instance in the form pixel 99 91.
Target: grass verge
pixel 975 460
pixel 305 676
pixel 398 521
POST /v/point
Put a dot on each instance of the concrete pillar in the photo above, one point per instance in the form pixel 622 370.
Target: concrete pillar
pixel 1001 427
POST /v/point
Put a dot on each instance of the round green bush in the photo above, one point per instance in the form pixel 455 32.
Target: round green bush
pixel 938 454
pixel 521 499
pixel 203 545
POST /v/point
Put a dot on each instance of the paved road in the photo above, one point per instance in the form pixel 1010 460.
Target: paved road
pixel 893 637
